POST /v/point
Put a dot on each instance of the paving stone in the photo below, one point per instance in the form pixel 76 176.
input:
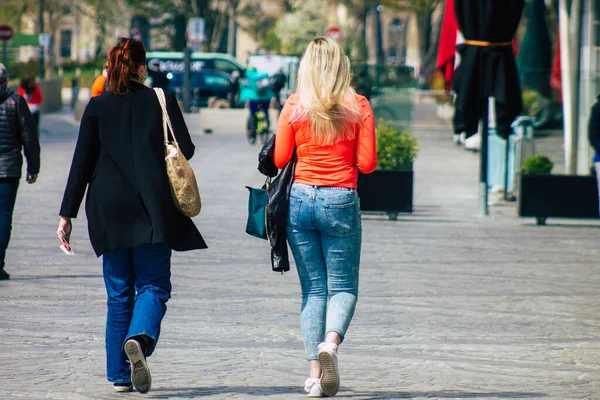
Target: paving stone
pixel 451 305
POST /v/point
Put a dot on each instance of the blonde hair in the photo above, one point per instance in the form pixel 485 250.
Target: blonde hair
pixel 326 97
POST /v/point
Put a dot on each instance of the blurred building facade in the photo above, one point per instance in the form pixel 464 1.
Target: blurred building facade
pixel 77 32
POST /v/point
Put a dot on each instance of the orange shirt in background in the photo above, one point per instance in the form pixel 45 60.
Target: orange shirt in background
pixel 334 165
pixel 98 86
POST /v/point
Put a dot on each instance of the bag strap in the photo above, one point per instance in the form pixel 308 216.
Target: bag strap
pixel 160 94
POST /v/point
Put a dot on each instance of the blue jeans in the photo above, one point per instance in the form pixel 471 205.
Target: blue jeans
pixel 597 166
pixel 138 285
pixel 324 233
pixel 8 196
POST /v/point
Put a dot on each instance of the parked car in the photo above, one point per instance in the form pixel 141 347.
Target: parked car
pixel 172 62
pixel 209 88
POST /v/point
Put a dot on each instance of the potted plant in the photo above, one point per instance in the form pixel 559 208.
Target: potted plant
pixel 544 195
pixel 390 187
pixel 538 164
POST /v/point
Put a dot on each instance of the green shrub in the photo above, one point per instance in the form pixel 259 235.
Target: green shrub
pixel 16 70
pixel 537 165
pixel 396 150
pixel 532 102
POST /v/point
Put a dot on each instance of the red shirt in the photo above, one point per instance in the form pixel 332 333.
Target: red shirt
pixel 34 98
pixel 326 165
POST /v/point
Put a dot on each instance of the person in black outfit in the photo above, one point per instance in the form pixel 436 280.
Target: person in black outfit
pixel 278 82
pixel 594 136
pixel 18 132
pixel 132 220
pixel 363 84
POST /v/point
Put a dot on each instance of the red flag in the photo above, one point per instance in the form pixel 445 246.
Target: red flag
pixel 447 46
pixel 555 76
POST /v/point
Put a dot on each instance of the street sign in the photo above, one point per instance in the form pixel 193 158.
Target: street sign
pixel 6 32
pixel 45 39
pixel 136 33
pixel 195 30
pixel 334 32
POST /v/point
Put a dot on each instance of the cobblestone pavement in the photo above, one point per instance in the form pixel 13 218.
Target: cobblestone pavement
pixel 452 306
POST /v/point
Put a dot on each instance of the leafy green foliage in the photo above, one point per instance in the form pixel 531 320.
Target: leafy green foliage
pixel 296 29
pixel 532 102
pixel 538 164
pixel 260 26
pixel 395 150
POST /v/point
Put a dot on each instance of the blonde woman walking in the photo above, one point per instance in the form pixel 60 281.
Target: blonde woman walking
pixel 332 131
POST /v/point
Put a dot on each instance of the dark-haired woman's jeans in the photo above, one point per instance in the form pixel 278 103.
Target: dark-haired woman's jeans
pixel 138 284
pixel 324 233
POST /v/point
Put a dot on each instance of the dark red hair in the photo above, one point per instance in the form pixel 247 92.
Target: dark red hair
pixel 123 65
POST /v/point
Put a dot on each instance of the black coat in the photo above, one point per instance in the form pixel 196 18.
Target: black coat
pixel 17 132
pixel 276 211
pixel 594 127
pixel 487 71
pixel 120 154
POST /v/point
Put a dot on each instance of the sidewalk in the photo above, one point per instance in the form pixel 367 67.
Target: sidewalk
pixel 451 305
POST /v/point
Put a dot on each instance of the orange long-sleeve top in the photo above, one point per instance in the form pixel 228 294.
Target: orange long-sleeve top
pixel 98 86
pixel 334 165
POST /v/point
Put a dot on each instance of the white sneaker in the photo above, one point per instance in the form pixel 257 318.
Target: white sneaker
pixel 330 378
pixel 122 387
pixel 458 138
pixel 312 387
pixel 473 143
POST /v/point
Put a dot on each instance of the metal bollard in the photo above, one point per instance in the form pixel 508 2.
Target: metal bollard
pixel 523 148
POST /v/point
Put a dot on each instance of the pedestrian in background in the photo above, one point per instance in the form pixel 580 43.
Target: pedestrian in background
pixel 32 93
pixel 255 88
pixel 133 223
pixel 99 85
pixel 17 133
pixel 594 137
pixel 332 131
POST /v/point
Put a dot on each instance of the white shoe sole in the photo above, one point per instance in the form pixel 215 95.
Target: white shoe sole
pixel 123 389
pixel 140 373
pixel 330 379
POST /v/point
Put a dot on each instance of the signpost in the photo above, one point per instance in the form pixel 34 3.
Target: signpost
pixel 195 35
pixel 42 49
pixel 196 30
pixel 136 33
pixel 335 32
pixel 6 32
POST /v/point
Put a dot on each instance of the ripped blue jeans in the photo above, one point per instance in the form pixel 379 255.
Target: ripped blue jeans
pixel 324 233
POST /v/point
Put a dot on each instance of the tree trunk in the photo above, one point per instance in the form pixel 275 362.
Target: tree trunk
pixel 231 33
pixel 361 52
pixel 424 33
pixel 378 38
pixel 218 30
pixel 430 61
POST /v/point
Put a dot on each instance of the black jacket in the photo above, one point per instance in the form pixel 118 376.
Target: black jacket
pixel 17 131
pixel 277 207
pixel 120 154
pixel 594 127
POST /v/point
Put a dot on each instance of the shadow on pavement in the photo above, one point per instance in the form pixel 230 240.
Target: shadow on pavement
pixel 445 394
pixel 558 225
pixel 168 393
pixel 29 278
pixel 280 390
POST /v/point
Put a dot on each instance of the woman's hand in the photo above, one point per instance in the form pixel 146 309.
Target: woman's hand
pixel 64 232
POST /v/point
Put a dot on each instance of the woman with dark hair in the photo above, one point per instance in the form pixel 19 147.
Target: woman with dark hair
pixel 33 96
pixel 132 220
